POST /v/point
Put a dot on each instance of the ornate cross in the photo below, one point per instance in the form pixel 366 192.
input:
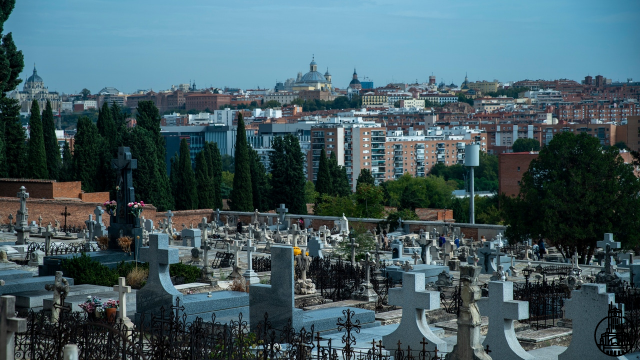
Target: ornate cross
pixel 122 290
pixel 65 214
pixel 282 211
pixel 125 164
pixel 353 246
pixel 9 326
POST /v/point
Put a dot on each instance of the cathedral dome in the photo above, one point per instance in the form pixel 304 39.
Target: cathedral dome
pixel 355 82
pixel 313 76
pixel 34 78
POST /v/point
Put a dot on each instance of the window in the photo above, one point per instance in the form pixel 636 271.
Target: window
pixel 518 168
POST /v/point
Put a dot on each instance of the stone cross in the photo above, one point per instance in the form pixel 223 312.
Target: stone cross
pixel 315 247
pixel 204 227
pixel 22 221
pixel 60 289
pixel 367 265
pixel 124 164
pixel 236 268
pixel 47 238
pixel 217 216
pixel 122 289
pixel 159 290
pixel 574 260
pixel 406 266
pixel 303 262
pixel 9 326
pixel 282 211
pixel 206 269
pixel 353 246
pixel 586 308
pixel 468 345
pixel 10 222
pixel 99 226
pixel 608 245
pixel 169 223
pixel 502 310
pixel 415 258
pixel 489 254
pixel 90 226
pixel 414 300
pixel 250 275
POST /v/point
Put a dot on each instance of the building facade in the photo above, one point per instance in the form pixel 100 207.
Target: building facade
pixel 34 89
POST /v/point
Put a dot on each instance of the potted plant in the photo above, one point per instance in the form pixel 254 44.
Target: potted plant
pixel 110 308
pixel 92 306
pixel 110 207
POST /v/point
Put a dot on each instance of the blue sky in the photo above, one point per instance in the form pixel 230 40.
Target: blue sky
pixel 145 44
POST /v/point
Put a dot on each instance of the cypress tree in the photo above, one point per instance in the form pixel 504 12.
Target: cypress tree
pixel 186 187
pixel 148 118
pixel 365 177
pixel 259 183
pixel 37 158
pixel 66 169
pixel 51 142
pixel 340 180
pixel 173 176
pixel 15 148
pixel 287 174
pixel 3 160
pixel 242 193
pixel 107 127
pixel 205 184
pixel 323 181
pixel 86 155
pixel 143 148
pixel 216 174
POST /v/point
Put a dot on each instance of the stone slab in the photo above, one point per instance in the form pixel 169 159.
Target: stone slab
pixel 15 274
pixel 344 303
pixel 452 325
pixel 31 299
pixel 324 320
pixel 190 286
pixel 76 300
pixel 548 353
pixel 537 336
pixel 28 284
pixel 430 271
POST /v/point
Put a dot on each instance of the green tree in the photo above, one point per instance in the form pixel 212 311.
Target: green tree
pixel 15 148
pixel 242 194
pixel 393 219
pixel 4 170
pixel 86 155
pixel 85 93
pixel 310 193
pixel 226 185
pixel 363 238
pixel 173 174
pixel 148 118
pixel 37 158
pixel 11 60
pixel 287 174
pixel 216 173
pixel 323 178
pixel 525 145
pixel 205 183
pixel 186 188
pixel 369 200
pixel 272 104
pixel 228 163
pixel 66 168
pixel 339 178
pixel 51 146
pixel 336 206
pixel 365 177
pixel 573 193
pixel 107 128
pixel 259 183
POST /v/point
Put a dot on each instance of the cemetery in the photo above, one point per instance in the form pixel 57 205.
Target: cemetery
pixel 249 285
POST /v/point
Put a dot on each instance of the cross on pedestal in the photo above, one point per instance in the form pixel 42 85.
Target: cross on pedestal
pixel 282 211
pixel 65 213
pixel 502 310
pixel 250 276
pixel 608 245
pixel 48 233
pixel 9 326
pixel 574 259
pixel 353 246
pixel 122 289
pixel 22 221
pixel 236 267
pixel 159 290
pixel 90 226
pixel 206 269
pixel 415 258
pixel 414 300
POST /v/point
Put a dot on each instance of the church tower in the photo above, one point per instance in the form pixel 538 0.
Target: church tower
pixel 327 76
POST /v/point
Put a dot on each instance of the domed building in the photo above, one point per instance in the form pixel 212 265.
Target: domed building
pixel 34 89
pixel 313 80
pixel 355 83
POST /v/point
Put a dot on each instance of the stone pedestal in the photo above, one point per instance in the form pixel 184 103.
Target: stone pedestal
pixel 454 265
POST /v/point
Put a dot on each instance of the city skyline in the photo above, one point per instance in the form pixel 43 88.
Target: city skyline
pixel 246 44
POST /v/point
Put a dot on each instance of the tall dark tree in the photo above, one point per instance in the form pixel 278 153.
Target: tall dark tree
pixel 87 155
pixel 51 146
pixel 14 137
pixel 173 175
pixel 573 193
pixel 11 60
pixel 365 177
pixel 66 168
pixel 324 184
pixel 205 183
pixel 148 118
pixel 242 193
pixel 4 171
pixel 186 187
pixel 287 174
pixel 525 145
pixel 216 174
pixel 259 183
pixel 107 127
pixel 37 157
pixel 339 177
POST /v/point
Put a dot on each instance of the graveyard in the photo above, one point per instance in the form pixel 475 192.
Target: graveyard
pixel 263 285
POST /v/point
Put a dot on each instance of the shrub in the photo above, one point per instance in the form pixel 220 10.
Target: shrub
pixel 137 277
pixel 85 270
pixel 103 242
pixel 184 273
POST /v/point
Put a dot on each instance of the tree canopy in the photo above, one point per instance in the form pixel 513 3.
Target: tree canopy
pixel 287 174
pixel 525 145
pixel 573 193
pixel 242 193
pixel 37 157
pixel 51 146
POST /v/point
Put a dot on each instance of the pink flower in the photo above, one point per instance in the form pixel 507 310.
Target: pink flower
pixel 135 206
pixel 130 204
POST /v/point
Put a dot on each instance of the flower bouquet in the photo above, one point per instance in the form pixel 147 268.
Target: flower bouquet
pixel 92 306
pixel 136 208
pixel 110 308
pixel 110 206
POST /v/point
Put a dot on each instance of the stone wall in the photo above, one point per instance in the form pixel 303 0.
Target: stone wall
pixel 50 189
pixel 97 197
pixel 186 217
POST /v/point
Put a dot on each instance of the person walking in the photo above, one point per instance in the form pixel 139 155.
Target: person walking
pixel 542 249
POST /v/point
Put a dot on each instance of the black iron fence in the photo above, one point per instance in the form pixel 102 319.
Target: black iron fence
pixel 545 301
pixel 168 336
pixel 261 263
pixel 60 248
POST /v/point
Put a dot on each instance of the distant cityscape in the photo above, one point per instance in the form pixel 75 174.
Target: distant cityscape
pixel 390 130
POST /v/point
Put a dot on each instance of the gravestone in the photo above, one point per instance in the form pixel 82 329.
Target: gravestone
pixel 60 289
pixel 353 246
pixel 191 235
pixel 99 229
pixel 608 245
pixel 365 291
pixel 9 326
pixel 502 310
pixel 468 345
pixel 282 213
pixel 276 299
pixel 122 289
pixel 36 258
pixel 634 275
pixel 159 290
pixel 124 223
pixel 414 300
pixel 148 225
pixel 586 308
pixel 488 254
pixel 315 246
pixel 397 249
pixel 249 275
pixel 22 221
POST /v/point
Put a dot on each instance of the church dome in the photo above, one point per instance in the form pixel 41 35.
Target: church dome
pixel 34 78
pixel 355 82
pixel 313 76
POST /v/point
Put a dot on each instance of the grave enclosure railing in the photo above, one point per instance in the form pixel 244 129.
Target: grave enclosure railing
pixel 168 336
pixel 545 302
pixel 60 248
pixel 630 297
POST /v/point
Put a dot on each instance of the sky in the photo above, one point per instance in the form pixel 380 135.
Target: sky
pixel 144 44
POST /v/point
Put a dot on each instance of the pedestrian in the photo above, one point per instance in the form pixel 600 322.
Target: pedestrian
pixel 239 227
pixel 542 249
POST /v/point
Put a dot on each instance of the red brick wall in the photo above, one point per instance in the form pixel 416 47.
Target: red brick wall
pixel 97 197
pixel 71 189
pixel 427 214
pixel 37 189
pixel 511 168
